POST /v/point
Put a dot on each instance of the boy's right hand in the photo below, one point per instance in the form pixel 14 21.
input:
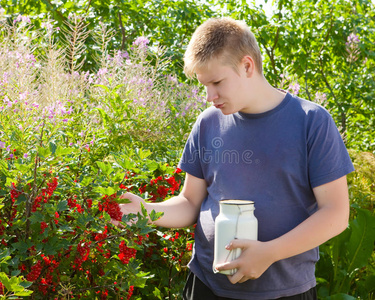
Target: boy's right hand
pixel 133 207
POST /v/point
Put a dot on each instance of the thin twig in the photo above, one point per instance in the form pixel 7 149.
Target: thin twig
pixel 122 32
pixel 88 6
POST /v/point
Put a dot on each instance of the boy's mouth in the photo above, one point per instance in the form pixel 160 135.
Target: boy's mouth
pixel 219 105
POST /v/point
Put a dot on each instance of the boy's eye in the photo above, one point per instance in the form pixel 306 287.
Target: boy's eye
pixel 217 82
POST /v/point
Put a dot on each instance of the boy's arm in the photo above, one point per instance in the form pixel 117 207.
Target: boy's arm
pixel 179 211
pixel 330 219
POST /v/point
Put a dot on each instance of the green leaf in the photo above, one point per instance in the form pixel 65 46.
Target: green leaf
pixel 52 147
pixel 62 205
pixel 103 87
pixel 5 255
pixel 26 284
pixel 144 210
pixel 9 181
pixel 21 199
pixel 36 217
pixel 15 273
pixel 86 181
pixel 53 245
pixel 83 219
pixel 23 293
pixel 66 228
pixel 21 247
pixel 122 200
pixel 361 243
pixel 105 168
pixel 4 168
pixel 370 283
pixel 15 285
pixel 157 293
pixel 61 151
pixel 152 165
pixel 44 152
pixel 104 116
pixel 104 191
pixel 143 153
pixel 126 163
pixel 4 280
pixel 155 215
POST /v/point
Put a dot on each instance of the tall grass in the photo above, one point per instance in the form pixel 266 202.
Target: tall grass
pixel 42 75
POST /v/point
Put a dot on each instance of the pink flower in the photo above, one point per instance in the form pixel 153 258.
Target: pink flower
pixel 141 41
pixel 353 38
pixel 295 88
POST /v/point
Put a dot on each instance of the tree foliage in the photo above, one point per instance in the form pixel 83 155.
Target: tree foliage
pixel 323 51
pixel 166 23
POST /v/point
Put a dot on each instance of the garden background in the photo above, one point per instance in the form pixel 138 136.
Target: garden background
pixel 94 102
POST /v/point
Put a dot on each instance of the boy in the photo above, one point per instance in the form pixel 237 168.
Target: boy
pixel 262 144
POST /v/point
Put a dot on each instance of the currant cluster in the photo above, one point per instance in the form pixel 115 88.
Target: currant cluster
pixel 45 195
pixel 83 252
pixel 130 292
pixel 56 219
pixel 72 202
pixel 1 289
pixel 14 194
pixel 100 237
pixel 35 271
pixel 43 226
pixel 111 207
pixel 89 203
pixel 159 187
pixel 126 253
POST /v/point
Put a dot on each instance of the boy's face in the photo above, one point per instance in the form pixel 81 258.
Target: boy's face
pixel 225 88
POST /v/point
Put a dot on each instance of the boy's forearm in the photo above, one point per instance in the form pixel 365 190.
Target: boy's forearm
pixel 314 231
pixel 178 212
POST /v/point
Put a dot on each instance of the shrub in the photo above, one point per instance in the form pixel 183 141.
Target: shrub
pixel 70 144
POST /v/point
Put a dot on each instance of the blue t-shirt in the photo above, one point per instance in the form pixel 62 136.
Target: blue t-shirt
pixel 275 159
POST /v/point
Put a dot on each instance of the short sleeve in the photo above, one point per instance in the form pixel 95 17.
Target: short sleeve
pixel 328 158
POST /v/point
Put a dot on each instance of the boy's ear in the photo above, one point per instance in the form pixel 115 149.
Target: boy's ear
pixel 248 65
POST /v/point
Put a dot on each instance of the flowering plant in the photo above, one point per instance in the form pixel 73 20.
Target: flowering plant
pixel 71 143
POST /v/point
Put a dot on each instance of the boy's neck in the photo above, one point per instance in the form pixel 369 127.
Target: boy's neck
pixel 264 97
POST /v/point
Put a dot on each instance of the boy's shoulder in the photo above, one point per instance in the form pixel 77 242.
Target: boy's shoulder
pixel 210 114
pixel 309 107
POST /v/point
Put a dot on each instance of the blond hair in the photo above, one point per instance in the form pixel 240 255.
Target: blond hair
pixel 224 38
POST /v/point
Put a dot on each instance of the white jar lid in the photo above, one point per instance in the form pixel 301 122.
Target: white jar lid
pixel 237 202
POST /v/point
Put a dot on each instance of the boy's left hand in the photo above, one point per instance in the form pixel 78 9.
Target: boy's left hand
pixel 255 259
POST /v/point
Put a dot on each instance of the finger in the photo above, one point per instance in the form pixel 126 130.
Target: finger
pixel 226 266
pixel 127 195
pixel 238 243
pixel 236 277
pixel 244 279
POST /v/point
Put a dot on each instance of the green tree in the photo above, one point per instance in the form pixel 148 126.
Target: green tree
pixel 167 23
pixel 323 51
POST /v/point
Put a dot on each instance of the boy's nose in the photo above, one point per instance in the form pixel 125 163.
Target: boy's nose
pixel 211 94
